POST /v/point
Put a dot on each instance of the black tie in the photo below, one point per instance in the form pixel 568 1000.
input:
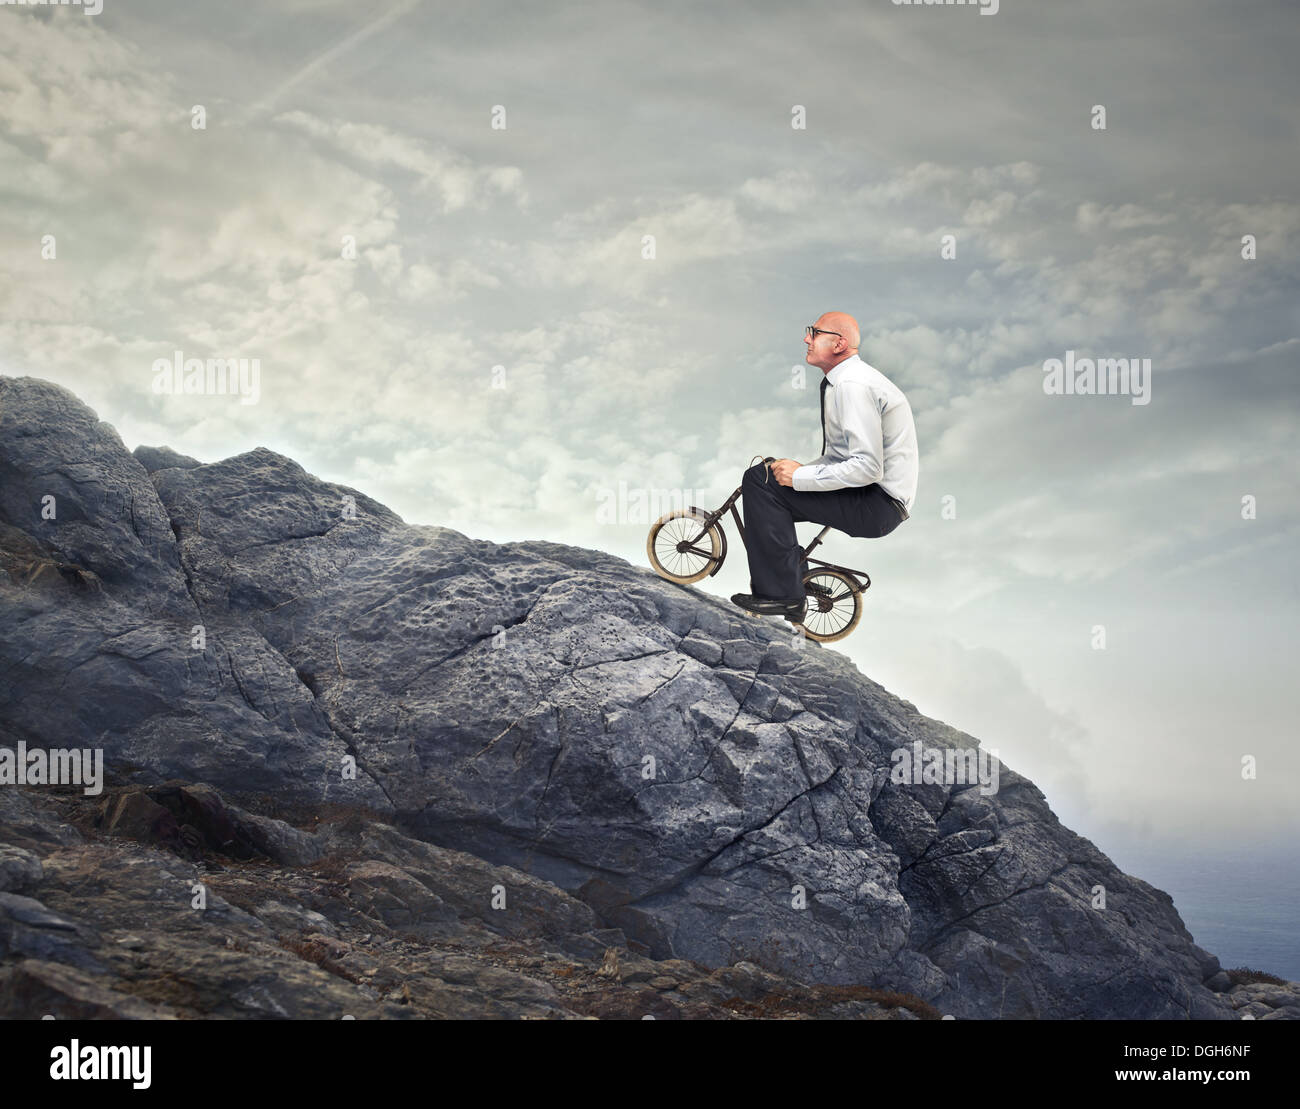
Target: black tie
pixel 825 382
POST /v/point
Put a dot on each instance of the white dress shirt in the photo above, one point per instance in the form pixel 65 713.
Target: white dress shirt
pixel 870 436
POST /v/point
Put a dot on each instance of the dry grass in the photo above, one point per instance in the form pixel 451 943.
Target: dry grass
pixel 1241 976
pixel 821 998
pixel 316 953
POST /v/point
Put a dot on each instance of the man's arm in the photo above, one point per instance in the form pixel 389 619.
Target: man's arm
pixel 865 464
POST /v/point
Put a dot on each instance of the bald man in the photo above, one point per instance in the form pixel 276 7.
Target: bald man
pixel 863 484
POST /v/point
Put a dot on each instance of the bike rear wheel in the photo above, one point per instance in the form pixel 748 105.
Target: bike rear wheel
pixel 834 605
pixel 681 548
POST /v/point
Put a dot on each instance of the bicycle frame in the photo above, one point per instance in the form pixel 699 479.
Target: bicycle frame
pixel 714 517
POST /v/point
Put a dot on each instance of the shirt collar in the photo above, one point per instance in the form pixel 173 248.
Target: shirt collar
pixel 836 373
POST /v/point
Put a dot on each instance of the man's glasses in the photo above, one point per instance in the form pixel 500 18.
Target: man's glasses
pixel 813 332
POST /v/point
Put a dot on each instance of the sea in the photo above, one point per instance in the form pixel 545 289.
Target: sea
pixel 1239 903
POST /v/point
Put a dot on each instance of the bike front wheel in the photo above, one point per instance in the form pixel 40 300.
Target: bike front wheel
pixel 681 548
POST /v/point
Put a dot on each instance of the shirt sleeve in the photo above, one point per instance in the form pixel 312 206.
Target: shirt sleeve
pixel 865 464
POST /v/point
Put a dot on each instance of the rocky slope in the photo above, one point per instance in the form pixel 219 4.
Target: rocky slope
pixel 555 752
pixel 350 919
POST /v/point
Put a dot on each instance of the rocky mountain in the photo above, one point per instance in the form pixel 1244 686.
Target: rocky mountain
pixel 407 772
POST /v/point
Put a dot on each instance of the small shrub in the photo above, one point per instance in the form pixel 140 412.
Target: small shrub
pixel 1241 976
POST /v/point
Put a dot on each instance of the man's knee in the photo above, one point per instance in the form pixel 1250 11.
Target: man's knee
pixel 756 475
pixel 875 528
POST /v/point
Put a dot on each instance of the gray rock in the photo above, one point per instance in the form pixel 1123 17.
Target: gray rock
pixel 234 712
pixel 194 820
pixel 282 918
pixel 106 516
pixel 591 946
pixel 1209 963
pixel 304 951
pixel 746 981
pixel 27 823
pixel 277 840
pixel 163 458
pixel 36 988
pixel 509 701
pixel 409 884
pixel 1267 993
pixel 20 869
pixel 29 929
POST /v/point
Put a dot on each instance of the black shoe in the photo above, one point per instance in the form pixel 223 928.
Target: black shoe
pixel 794 611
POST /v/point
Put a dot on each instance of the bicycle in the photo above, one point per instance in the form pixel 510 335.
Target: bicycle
pixel 690 544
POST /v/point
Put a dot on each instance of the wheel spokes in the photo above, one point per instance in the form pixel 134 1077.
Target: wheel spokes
pixel 832 590
pixel 677 546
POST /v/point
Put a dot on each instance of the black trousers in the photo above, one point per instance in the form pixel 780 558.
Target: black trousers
pixel 776 565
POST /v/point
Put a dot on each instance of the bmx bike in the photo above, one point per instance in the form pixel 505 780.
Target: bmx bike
pixel 690 544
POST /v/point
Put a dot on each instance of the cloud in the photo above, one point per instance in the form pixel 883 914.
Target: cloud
pixel 523 249
pixel 454 178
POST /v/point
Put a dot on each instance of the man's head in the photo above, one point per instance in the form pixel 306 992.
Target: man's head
pixel 835 339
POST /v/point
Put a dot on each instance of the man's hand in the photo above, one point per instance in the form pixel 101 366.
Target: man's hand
pixel 783 470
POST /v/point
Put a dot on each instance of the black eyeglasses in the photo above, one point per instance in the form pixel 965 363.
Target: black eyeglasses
pixel 813 332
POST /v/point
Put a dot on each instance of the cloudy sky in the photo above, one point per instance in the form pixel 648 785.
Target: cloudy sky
pixel 522 247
